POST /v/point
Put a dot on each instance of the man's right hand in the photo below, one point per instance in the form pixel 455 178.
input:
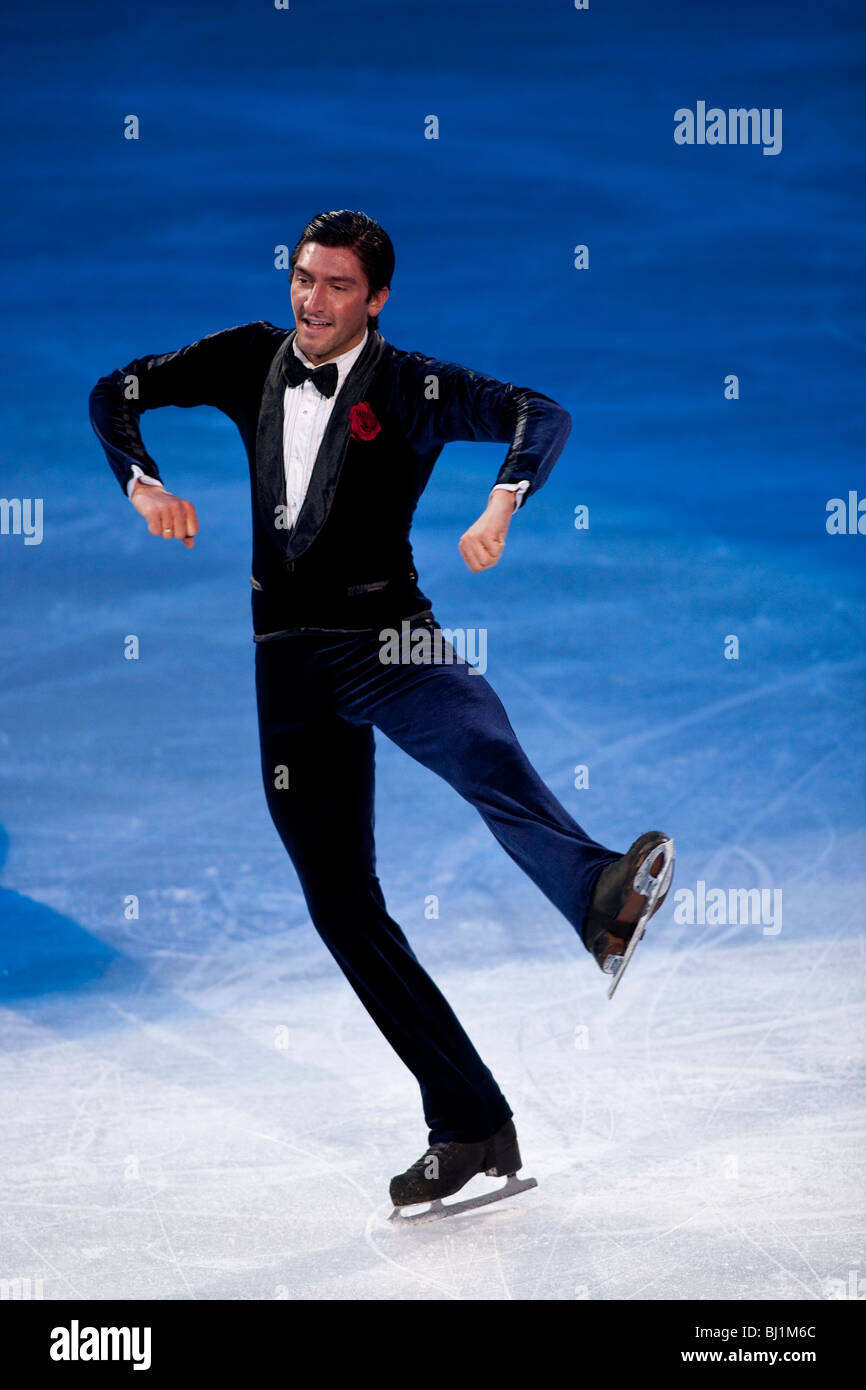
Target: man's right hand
pixel 166 515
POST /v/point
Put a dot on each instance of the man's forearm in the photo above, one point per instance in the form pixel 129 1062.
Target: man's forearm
pixel 215 371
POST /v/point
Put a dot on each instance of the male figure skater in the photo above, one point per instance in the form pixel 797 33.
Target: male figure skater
pixel 342 430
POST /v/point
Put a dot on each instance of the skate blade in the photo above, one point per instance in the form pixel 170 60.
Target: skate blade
pixel 654 886
pixel 439 1208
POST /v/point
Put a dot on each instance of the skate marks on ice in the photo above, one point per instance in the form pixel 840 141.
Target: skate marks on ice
pixel 701 1143
pixel 720 1083
pixel 475 1240
pixel 767 1062
pixel 727 1100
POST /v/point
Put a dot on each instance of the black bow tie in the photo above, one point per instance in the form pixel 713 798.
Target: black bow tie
pixel 295 374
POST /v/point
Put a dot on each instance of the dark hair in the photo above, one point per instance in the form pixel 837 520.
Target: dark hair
pixel 370 242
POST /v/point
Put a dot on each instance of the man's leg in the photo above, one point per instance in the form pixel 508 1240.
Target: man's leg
pixel 322 807
pixel 451 720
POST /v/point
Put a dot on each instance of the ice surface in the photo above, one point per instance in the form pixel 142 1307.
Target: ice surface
pixel 195 1104
pixel 697 1138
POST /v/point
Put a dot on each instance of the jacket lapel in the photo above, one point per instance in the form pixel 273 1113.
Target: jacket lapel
pixel 270 468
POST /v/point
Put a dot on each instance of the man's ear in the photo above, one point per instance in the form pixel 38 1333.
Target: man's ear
pixel 376 302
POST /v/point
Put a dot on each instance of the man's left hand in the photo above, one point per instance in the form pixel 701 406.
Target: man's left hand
pixel 482 545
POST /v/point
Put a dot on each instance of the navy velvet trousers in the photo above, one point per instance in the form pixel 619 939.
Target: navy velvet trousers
pixel 320 696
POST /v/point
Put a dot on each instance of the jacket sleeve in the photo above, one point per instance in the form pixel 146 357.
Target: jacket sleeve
pixel 207 372
pixel 441 402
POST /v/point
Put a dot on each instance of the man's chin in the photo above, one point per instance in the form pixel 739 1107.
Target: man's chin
pixel 317 344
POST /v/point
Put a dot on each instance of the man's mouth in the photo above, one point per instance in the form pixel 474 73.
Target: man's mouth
pixel 314 323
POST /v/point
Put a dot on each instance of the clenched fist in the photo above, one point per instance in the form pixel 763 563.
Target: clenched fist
pixel 484 542
pixel 166 515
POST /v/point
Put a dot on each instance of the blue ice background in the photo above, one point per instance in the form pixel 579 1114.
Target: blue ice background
pixel 707 516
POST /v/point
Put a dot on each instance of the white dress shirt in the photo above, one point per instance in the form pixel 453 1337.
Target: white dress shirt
pixel 306 413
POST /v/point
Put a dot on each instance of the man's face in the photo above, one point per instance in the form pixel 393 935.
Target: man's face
pixel 329 300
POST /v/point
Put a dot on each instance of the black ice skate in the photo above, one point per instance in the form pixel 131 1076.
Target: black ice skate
pixel 626 895
pixel 447 1166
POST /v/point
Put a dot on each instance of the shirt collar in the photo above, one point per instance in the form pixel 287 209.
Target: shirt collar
pixel 343 363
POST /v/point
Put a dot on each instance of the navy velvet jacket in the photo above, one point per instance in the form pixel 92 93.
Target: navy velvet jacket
pixel 347 562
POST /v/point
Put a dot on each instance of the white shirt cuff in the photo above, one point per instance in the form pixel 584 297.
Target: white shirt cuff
pixel 145 478
pixel 518 488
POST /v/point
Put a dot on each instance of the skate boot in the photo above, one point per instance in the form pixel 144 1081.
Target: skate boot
pixel 627 893
pixel 448 1165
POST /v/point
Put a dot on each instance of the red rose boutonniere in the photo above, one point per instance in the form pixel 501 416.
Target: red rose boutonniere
pixel 362 422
